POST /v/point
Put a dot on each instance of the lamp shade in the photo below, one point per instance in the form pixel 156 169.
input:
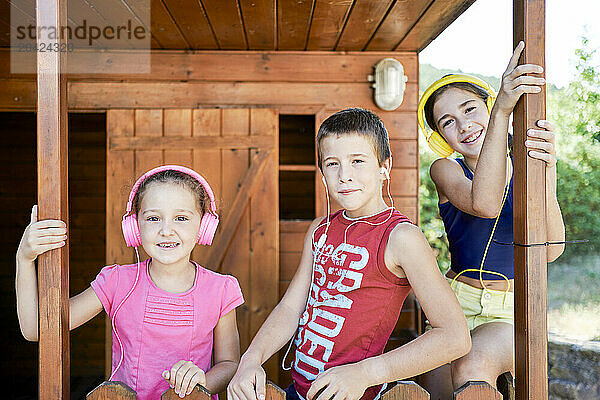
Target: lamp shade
pixel 390 83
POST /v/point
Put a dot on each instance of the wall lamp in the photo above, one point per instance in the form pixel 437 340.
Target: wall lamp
pixel 390 83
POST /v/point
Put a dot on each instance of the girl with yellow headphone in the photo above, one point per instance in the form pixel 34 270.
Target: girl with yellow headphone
pixel 464 116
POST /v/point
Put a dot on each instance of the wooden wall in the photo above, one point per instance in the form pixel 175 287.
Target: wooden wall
pixel 87 176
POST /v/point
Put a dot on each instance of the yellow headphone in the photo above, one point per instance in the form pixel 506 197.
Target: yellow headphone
pixel 436 141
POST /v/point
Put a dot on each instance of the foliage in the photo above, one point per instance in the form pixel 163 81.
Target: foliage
pixel 431 223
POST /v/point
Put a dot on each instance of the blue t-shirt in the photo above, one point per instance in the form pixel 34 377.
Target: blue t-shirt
pixel 468 235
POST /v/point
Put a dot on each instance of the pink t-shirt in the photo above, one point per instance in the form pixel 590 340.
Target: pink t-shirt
pixel 158 328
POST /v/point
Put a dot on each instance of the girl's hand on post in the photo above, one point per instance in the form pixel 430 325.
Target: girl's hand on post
pixel 543 149
pixel 515 82
pixel 40 237
pixel 184 376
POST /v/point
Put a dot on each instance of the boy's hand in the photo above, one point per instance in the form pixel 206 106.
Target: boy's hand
pixel 40 237
pixel 184 376
pixel 338 383
pixel 515 82
pixel 542 150
pixel 248 383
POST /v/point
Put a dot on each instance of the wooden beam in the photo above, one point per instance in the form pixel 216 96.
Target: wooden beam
pixel 214 66
pixel 106 95
pixel 531 355
pixel 199 142
pixel 435 19
pixel 53 266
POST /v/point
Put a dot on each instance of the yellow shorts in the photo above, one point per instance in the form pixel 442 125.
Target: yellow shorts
pixel 483 305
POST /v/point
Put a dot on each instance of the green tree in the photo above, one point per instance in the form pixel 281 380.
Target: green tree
pixel 575 112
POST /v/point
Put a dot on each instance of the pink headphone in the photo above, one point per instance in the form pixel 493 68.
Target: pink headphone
pixel 208 225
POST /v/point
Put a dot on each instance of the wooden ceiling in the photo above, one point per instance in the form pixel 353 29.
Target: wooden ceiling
pixel 327 25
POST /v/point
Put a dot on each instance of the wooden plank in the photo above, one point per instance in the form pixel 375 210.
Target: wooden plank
pixel 404 182
pixel 167 142
pixel 178 125
pixel 477 390
pixel 289 241
pixel 406 390
pixel 274 392
pixel 435 20
pixel 270 66
pixel 329 18
pixel 163 27
pixel 192 22
pixel 531 356
pixel 264 232
pixel 294 226
pixel 115 13
pixel 396 24
pixel 207 162
pixel 226 21
pixel 119 170
pixel 293 23
pixel 198 393
pixel 259 20
pixel 52 160
pixel 94 95
pixel 236 260
pixel 112 391
pixel 404 153
pixel 363 21
pixel 148 121
pixel 247 187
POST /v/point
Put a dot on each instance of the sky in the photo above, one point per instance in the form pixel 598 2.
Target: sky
pixel 480 40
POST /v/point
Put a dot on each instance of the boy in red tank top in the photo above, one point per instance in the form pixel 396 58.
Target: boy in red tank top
pixel 356 270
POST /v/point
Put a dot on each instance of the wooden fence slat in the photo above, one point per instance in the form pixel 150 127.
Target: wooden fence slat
pixel 406 390
pixel 477 390
pixel 199 393
pixel 110 390
pixel 274 392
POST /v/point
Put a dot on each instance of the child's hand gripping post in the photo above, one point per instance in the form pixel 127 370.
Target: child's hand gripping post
pixel 516 82
pixel 39 237
pixel 184 376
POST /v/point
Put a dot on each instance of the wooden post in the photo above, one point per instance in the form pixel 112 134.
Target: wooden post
pixel 477 390
pixel 274 392
pixel 53 266
pixel 199 393
pixel 112 391
pixel 406 390
pixel 531 357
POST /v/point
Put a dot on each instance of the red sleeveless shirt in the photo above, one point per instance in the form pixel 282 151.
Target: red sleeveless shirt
pixel 354 300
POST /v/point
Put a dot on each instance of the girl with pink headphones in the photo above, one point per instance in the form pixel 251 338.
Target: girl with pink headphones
pixel 475 202
pixel 170 316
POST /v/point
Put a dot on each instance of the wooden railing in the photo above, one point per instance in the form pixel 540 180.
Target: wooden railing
pixel 402 390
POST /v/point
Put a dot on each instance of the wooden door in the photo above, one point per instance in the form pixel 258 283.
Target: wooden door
pixel 236 151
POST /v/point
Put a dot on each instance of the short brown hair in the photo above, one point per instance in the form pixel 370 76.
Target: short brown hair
pixel 356 121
